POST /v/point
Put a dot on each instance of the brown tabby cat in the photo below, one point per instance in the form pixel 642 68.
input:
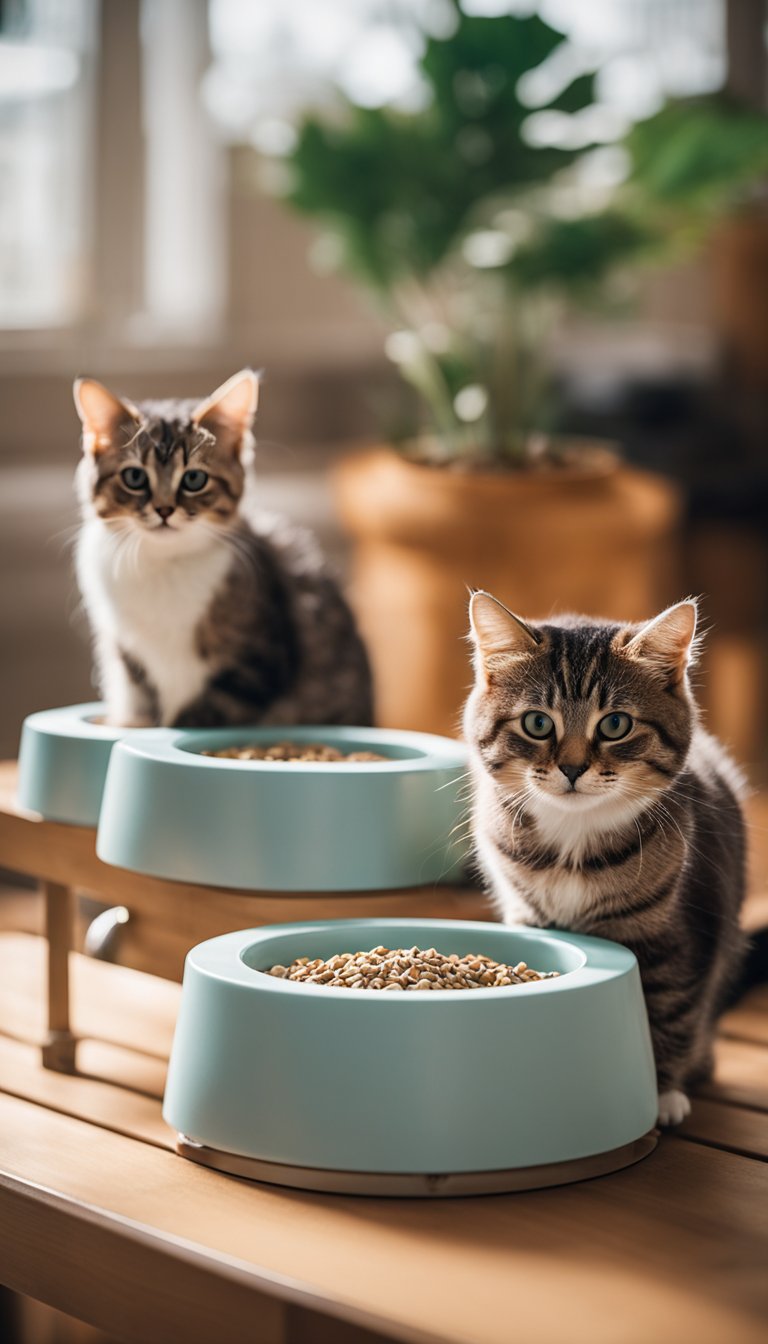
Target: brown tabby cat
pixel 204 610
pixel 601 805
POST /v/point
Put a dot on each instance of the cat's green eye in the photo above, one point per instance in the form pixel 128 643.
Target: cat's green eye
pixel 614 726
pixel 537 724
pixel 194 480
pixel 134 478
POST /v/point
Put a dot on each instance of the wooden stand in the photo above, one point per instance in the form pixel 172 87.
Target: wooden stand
pixel 167 918
pixel 59 1048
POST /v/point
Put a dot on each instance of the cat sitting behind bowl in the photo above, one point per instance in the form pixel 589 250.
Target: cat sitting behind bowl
pixel 204 612
pixel 600 805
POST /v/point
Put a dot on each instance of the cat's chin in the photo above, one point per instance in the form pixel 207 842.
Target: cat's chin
pixel 170 540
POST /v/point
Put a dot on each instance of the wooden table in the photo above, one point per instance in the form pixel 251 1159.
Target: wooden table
pixel 100 1218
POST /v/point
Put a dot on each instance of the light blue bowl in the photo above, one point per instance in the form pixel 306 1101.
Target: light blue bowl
pixel 63 761
pixel 171 812
pixel 311 1082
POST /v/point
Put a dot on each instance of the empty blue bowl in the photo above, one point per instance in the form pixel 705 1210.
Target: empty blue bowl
pixel 63 761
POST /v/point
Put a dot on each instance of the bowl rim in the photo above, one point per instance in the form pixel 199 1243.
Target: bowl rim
pixel 77 723
pixel 222 958
pixel 182 747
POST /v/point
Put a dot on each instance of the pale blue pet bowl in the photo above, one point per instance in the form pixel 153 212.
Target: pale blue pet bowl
pixel 170 812
pixel 63 761
pixel 443 1093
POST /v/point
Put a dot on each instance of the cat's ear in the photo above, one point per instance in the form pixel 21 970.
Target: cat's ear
pixel 666 644
pixel 230 411
pixel 497 633
pixel 101 413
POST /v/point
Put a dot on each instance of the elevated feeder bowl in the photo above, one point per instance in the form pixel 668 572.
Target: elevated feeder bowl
pixel 169 811
pixel 444 1093
pixel 63 761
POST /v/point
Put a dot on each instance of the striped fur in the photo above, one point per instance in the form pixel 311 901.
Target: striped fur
pixel 204 611
pixel 646 844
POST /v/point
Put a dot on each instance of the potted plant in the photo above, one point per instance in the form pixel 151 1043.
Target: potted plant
pixel 475 235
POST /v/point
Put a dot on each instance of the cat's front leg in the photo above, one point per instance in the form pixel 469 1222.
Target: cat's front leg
pixel 674 1018
pixel 500 881
pixel 126 688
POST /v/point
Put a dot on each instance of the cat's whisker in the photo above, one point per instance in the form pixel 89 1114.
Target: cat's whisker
pixel 450 782
pixel 661 812
pixel 465 820
pixel 463 826
pixel 640 839
pixel 67 536
pixel 236 544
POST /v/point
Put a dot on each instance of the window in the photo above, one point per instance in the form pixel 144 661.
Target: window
pixel 45 112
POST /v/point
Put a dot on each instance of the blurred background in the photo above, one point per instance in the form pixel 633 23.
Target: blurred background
pixel 483 245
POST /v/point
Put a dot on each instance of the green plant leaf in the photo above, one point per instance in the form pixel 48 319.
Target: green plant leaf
pixel 573 254
pixel 403 190
pixel 578 95
pixel 698 153
pixel 492 53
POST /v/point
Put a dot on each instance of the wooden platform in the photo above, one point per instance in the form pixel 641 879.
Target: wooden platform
pixel 100 1218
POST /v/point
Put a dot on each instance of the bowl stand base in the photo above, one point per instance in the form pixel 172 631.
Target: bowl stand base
pixel 417 1185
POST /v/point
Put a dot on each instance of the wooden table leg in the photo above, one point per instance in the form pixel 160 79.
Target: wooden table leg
pixel 59 1048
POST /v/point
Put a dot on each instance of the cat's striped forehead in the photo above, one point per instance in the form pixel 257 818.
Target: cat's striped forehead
pixel 162 441
pixel 576 662
pixel 165 432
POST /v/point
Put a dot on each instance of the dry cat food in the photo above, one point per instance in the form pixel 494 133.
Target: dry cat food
pixel 293 751
pixel 408 968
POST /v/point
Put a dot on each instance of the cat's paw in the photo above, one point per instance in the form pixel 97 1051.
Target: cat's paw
pixel 673 1107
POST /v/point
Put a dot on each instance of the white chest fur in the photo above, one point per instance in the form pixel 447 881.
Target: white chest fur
pixel 563 895
pixel 570 828
pixel 147 596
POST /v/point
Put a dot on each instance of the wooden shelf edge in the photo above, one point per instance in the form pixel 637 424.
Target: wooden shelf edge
pixel 127 1253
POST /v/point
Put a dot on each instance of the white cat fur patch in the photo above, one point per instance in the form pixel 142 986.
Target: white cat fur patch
pixel 147 595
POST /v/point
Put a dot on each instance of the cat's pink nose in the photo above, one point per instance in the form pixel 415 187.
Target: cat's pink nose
pixel 165 510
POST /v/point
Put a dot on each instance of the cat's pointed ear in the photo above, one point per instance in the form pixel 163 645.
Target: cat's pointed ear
pixel 230 411
pixel 666 644
pixel 497 633
pixel 101 413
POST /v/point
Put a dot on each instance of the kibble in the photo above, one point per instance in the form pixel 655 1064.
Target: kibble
pixel 408 969
pixel 293 752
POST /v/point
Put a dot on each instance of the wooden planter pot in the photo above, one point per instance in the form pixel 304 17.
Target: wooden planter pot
pixel 601 540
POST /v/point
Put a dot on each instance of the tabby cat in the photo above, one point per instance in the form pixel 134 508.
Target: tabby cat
pixel 600 805
pixel 204 612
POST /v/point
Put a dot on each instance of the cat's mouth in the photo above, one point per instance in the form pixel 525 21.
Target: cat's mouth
pixel 575 800
pixel 158 528
pixel 574 797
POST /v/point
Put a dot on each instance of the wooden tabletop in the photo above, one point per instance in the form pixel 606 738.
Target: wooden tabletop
pixel 99 1217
